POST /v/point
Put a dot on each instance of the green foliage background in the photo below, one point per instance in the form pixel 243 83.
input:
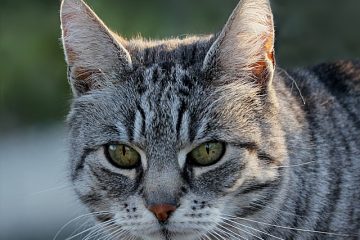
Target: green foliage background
pixel 33 86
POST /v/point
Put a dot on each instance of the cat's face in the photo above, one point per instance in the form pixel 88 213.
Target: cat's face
pixel 169 139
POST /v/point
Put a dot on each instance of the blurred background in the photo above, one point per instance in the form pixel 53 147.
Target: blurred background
pixel 35 198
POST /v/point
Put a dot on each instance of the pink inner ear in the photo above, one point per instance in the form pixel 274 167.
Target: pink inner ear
pixel 262 68
pixel 70 54
pixel 83 80
pixel 82 74
pixel 269 49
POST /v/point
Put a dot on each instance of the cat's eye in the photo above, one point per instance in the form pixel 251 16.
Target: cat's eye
pixel 207 153
pixel 123 156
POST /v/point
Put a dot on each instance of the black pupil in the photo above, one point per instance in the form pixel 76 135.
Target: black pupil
pixel 207 147
pixel 123 150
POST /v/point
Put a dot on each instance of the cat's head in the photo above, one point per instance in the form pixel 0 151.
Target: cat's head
pixel 169 138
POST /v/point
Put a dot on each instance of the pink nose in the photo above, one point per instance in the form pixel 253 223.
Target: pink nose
pixel 162 211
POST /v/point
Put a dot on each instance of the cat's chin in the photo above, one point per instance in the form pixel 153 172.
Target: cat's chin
pixel 160 235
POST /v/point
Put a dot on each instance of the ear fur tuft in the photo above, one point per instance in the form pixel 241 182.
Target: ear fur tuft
pixel 245 47
pixel 91 49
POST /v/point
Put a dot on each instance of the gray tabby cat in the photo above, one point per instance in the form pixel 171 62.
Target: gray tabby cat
pixel 205 138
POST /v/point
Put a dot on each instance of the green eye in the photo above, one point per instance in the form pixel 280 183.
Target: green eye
pixel 207 153
pixel 123 156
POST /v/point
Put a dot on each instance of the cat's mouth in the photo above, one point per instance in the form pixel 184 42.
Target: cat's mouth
pixel 167 233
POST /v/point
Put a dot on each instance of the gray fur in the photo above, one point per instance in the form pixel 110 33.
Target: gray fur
pixel 290 171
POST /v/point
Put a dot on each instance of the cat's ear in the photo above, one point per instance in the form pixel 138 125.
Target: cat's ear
pixel 245 47
pixel 93 53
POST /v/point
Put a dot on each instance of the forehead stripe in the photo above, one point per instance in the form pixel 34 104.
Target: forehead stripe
pixel 143 117
pixel 181 111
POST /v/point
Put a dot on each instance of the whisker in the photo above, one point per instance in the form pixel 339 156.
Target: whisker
pixel 74 219
pixel 201 235
pixel 205 236
pixel 275 209
pixel 294 82
pixel 84 231
pixel 224 232
pixel 80 227
pixel 229 234
pixel 292 228
pixel 101 227
pixel 215 234
pixel 242 231
pixel 62 187
pixel 246 226
pixel 115 234
pixel 294 165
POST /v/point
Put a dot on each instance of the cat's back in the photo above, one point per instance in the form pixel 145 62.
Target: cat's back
pixel 328 95
pixel 334 88
pixel 332 101
pixel 341 77
pixel 334 113
pixel 330 92
pixel 342 80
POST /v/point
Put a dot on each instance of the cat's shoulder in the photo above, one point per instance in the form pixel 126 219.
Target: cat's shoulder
pixel 341 77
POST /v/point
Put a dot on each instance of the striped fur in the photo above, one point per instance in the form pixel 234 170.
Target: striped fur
pixel 290 170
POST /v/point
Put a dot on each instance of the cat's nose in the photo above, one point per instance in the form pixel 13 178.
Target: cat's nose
pixel 162 211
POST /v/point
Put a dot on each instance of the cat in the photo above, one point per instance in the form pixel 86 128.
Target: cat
pixel 205 137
